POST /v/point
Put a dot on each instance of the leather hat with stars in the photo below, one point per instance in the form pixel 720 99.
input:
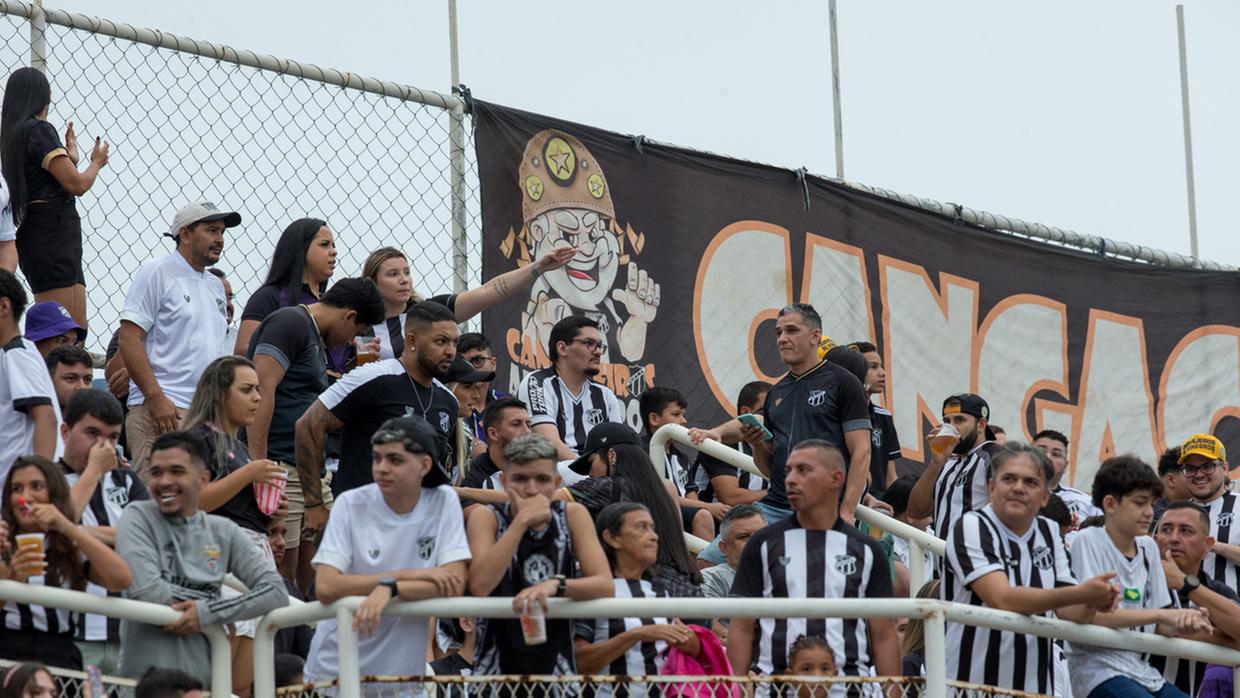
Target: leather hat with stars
pixel 557 171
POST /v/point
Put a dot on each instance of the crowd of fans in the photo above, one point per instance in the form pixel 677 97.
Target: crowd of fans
pixel 345 441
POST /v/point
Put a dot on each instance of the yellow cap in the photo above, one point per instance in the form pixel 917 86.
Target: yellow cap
pixel 1202 445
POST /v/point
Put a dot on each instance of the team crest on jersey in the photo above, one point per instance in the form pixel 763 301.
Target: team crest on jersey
pixel 1043 557
pixel 537 568
pixel 593 417
pixel 785 560
pixel 845 564
pixel 1132 595
pixel 1224 519
pixel 117 496
pixel 211 555
pixel 538 403
pixel 445 422
pixel 817 397
pixel 426 546
pixel 373 553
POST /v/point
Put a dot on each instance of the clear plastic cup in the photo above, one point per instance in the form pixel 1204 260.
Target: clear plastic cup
pixel 944 439
pixel 365 350
pixel 31 541
pixel 533 624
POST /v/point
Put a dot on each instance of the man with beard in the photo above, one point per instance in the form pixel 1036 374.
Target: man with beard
pixel 1204 469
pixel 172 325
pixel 957 481
pixel 367 397
pixel 563 401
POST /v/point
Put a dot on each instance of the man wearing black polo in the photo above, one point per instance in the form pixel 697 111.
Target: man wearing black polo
pixel 815 399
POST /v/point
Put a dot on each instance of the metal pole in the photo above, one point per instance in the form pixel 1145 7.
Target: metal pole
pixel 38 44
pixel 456 137
pixel 916 568
pixel 350 674
pixel 1188 135
pixel 935 629
pixel 835 94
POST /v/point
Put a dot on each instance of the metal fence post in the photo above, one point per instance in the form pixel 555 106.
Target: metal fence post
pixel 350 677
pixel 264 659
pixel 916 568
pixel 935 628
pixel 38 44
pixel 221 661
pixel 456 145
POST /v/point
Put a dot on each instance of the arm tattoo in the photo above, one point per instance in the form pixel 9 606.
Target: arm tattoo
pixel 501 286
pixel 310 440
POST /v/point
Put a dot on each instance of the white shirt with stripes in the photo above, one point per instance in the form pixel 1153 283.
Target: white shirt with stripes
pixel 1142 586
pixel 1224 515
pixel 980 544
pixel 549 401
pixel 31 618
pixel 962 486
pixel 784 560
pixel 1080 503
pixel 643 658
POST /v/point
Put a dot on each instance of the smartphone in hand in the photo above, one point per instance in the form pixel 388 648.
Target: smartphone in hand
pixel 751 420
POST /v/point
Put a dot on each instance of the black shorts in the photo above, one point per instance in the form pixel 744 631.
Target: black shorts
pixel 49 246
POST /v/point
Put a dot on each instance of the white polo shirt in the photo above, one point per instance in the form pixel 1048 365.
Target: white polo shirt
pixel 8 229
pixel 24 383
pixel 364 536
pixel 185 317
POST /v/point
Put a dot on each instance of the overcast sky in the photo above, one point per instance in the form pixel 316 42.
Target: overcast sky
pixel 1065 113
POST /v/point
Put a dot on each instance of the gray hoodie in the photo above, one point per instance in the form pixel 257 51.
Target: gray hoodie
pixel 177 559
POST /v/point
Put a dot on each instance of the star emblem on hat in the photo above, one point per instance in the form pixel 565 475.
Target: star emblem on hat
pixel 596 186
pixel 560 159
pixel 534 187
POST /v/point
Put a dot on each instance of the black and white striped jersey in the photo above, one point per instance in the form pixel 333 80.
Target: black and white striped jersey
pixel 1187 674
pixel 1224 514
pixel 549 401
pixel 706 469
pixel 962 486
pixel 784 560
pixel 643 658
pixel 979 544
pixel 1081 504
pixel 32 618
pixel 391 332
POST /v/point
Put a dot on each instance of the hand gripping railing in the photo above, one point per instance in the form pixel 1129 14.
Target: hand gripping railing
pixel 125 609
pixel 936 615
pixel 918 541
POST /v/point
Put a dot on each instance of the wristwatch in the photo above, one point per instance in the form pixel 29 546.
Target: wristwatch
pixel 1190 584
pixel 562 585
pixel 390 583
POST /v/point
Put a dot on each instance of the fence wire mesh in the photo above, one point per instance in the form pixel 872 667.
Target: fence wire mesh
pixel 272 146
pixel 645 687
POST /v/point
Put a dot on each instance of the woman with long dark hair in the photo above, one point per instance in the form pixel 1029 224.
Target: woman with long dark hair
pixel 44 545
pixel 28 680
pixel 629 646
pixel 43 179
pixel 302 263
pixel 226 400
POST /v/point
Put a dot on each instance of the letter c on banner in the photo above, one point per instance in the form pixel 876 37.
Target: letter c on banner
pixel 744 279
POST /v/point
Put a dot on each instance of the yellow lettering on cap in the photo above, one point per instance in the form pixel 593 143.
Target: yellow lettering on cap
pixel 953 408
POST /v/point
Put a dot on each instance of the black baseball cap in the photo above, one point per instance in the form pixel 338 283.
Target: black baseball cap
pixel 968 403
pixel 417 435
pixel 603 436
pixel 464 372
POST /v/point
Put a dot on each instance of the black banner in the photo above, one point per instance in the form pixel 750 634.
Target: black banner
pixel 686 257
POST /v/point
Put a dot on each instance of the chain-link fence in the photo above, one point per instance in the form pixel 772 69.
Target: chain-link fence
pixel 646 687
pixel 275 143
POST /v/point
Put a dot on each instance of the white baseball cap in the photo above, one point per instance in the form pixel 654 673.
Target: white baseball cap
pixel 200 211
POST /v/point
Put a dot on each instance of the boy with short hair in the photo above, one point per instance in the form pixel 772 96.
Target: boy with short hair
pixel 527 548
pixel 71 370
pixel 660 406
pixel 399 537
pixel 1125 488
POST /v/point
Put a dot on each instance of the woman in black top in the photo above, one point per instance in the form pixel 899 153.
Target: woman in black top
pixel 301 265
pixel 226 400
pixel 43 180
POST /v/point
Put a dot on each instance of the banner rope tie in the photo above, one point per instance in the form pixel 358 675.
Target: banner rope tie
pixel 639 142
pixel 803 180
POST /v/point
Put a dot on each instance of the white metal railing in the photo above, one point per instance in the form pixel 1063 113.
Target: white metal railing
pixel 918 541
pixel 125 609
pixel 935 614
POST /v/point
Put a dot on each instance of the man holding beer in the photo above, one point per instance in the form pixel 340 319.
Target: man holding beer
pixel 958 475
pixel 289 350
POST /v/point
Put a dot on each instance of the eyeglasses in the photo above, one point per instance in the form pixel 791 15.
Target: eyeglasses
pixel 592 344
pixel 481 360
pixel 1204 469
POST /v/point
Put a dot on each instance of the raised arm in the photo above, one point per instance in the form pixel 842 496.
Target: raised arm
pixel 476 300
pixel 66 173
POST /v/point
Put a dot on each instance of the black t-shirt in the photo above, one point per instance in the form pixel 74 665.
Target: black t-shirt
pixel 367 397
pixel 289 336
pixel 268 299
pixel 478 471
pixel 825 402
pixel 242 509
pixel 42 146
pixel 884 448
